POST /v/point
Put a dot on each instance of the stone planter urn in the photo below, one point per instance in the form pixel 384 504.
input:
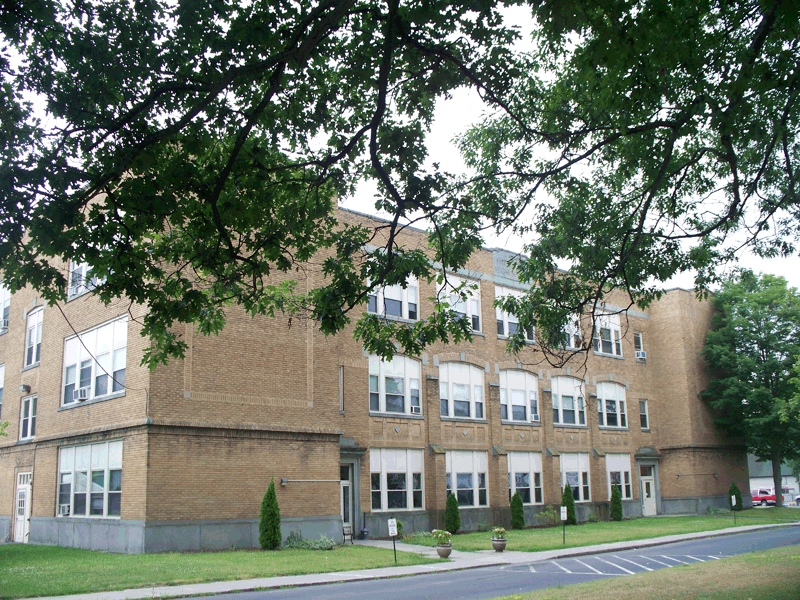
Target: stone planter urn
pixel 499 544
pixel 444 550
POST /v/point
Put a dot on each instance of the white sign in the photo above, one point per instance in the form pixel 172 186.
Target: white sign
pixel 392 527
pixel 733 500
pixel 563 513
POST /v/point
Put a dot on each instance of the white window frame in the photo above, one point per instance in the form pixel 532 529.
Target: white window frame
pixel 33 337
pixel 385 462
pixel 646 414
pixel 530 464
pixel 562 389
pixel 89 461
pixel 470 462
pixel 27 418
pixel 573 335
pixel 88 354
pixel 383 373
pixel 407 296
pixel 519 388
pixel 5 307
pixel 452 379
pixel 506 320
pixel 81 280
pixel 620 464
pixel 470 307
pixel 577 463
pixel 607 337
pixel 2 383
pixel 610 394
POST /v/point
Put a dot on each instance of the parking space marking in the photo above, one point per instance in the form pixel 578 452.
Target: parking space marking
pixel 675 559
pixel 633 563
pixel 694 558
pixel 532 569
pixel 562 568
pixel 658 561
pixel 589 566
pixel 615 565
pixel 714 557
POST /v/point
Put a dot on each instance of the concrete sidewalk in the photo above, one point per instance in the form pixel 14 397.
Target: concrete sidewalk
pixel 458 561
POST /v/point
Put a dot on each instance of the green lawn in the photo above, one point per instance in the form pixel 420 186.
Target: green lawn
pixel 588 534
pixel 768 575
pixel 27 570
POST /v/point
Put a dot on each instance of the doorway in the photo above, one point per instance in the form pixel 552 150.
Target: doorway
pixel 22 514
pixel 648 483
pixel 346 496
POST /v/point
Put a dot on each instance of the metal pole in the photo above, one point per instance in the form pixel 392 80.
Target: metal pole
pixel 395 548
pixel 564 531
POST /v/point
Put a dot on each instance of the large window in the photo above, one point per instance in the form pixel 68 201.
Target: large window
pixel 466 301
pixel 2 379
pixel 395 301
pixel 33 337
pixel 5 304
pixel 81 280
pixel 618 468
pixel 27 422
pixel 396 479
pixel 569 407
pixel 519 398
pixel 611 405
pixel 525 476
pixel 607 337
pixel 461 391
pixel 573 338
pixel 394 386
pixel 575 472
pixel 90 480
pixel 644 417
pixel 94 362
pixel 468 470
pixel 508 324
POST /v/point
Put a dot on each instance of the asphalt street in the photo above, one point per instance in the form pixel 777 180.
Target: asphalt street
pixel 490 582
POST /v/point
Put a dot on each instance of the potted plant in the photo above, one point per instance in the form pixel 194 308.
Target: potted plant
pixel 499 539
pixel 443 545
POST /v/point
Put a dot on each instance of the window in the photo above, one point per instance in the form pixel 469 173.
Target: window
pixel 94 362
pixel 81 280
pixel 90 480
pixel 33 337
pixel 394 386
pixel 618 467
pixel 27 423
pixel 395 301
pixel 519 399
pixel 525 476
pixel 607 335
pixel 461 391
pixel 573 339
pixel 468 470
pixel 508 324
pixel 2 379
pixel 644 420
pixel 5 305
pixel 575 472
pixel 396 479
pixel 611 405
pixel 569 407
pixel 467 306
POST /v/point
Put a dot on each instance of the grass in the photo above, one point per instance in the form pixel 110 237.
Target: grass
pixel 768 575
pixel 27 570
pixel 588 534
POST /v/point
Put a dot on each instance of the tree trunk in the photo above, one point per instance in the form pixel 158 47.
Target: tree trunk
pixel 776 477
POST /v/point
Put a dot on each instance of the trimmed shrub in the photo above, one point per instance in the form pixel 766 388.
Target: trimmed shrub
pixel 568 500
pixel 616 503
pixel 452 518
pixel 517 513
pixel 734 491
pixel 269 522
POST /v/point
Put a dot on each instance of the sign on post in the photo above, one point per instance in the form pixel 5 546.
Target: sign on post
pixel 392 527
pixel 733 500
pixel 564 524
pixel 563 513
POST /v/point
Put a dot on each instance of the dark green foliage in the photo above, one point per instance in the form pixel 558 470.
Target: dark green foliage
pixel 733 491
pixel 616 503
pixel 568 500
pixel 269 522
pixel 452 518
pixel 517 512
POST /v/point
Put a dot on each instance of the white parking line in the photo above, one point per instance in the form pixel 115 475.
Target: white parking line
pixel 615 565
pixel 633 563
pixel 589 566
pixel 714 557
pixel 532 569
pixel 675 559
pixel 658 561
pixel 562 568
pixel 694 558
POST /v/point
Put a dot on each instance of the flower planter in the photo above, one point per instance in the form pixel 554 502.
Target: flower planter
pixel 444 551
pixel 499 544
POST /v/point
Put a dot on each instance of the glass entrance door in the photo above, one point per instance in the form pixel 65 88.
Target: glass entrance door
pixel 346 483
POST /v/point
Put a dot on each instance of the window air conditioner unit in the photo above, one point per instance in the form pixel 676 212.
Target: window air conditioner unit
pixel 535 418
pixel 641 355
pixel 63 510
pixel 81 394
pixel 4 324
pixel 416 410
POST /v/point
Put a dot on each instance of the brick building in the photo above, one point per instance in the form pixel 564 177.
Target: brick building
pixel 104 454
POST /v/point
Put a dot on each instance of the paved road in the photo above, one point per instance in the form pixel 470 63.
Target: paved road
pixel 491 582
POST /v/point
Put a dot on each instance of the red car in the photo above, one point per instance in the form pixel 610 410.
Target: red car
pixel 766 496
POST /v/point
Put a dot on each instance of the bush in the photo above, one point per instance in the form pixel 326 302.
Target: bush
pixel 452 518
pixel 616 503
pixel 517 513
pixel 269 522
pixel 547 516
pixel 734 491
pixel 294 541
pixel 400 534
pixel 568 500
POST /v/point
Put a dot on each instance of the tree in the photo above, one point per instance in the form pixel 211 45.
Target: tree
pixel 269 522
pixel 616 503
pixel 189 153
pixel 734 492
pixel 751 349
pixel 452 518
pixel 517 512
pixel 568 500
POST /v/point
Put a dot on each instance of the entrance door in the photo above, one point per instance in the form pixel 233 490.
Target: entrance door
pixel 346 477
pixel 22 520
pixel 648 480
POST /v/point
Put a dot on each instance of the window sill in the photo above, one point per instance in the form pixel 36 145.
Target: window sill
pixel 604 355
pixel 3 330
pixel 91 517
pixel 396 415
pixel 570 426
pixel 646 430
pixel 78 403
pixel 30 366
pixel 27 440
pixel 72 297
pixel 612 428
pixel 405 510
pixel 505 337
pixel 523 423
pixel 393 318
pixel 462 419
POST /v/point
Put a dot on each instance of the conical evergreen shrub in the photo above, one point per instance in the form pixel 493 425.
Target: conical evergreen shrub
pixel 569 501
pixel 452 518
pixel 616 503
pixel 269 523
pixel 734 491
pixel 517 512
